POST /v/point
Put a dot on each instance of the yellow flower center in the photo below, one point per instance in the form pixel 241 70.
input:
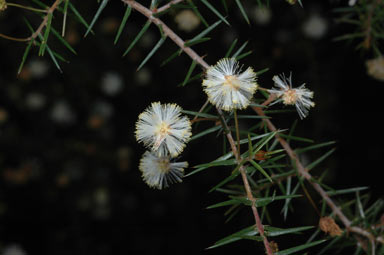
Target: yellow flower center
pixel 162 131
pixel 231 81
pixel 290 97
pixel 164 165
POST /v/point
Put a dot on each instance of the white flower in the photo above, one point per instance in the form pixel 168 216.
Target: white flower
pixel 159 172
pixel 163 130
pixel 315 27
pixel 375 68
pixel 112 83
pixel 187 20
pixel 300 97
pixel 227 88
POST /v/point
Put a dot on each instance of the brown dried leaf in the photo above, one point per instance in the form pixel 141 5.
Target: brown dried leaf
pixel 329 226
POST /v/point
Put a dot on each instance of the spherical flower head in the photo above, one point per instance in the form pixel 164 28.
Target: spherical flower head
pixel 227 87
pixel 300 97
pixel 159 172
pixel 162 129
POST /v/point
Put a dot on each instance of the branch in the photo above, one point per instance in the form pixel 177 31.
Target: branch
pixel 368 25
pixel 39 29
pixel 168 5
pixel 193 55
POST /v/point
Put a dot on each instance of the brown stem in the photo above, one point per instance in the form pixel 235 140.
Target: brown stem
pixel 168 5
pixel 196 57
pixel 368 25
pixel 39 29
pixel 247 187
pixel 26 7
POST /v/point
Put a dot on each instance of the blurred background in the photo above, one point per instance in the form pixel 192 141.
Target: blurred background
pixel 69 178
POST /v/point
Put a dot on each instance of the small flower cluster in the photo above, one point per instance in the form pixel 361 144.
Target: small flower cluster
pixel 163 130
pixel 300 97
pixel 227 87
pixel 230 89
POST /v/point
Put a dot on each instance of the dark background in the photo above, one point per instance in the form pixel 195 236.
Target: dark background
pixel 72 186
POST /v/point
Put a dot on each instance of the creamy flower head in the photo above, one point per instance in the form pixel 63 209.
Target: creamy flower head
pixel 375 68
pixel 300 97
pixel 159 172
pixel 227 87
pixel 161 128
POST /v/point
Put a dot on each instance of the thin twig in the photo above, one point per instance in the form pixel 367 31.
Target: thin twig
pixel 39 29
pixel 368 25
pixel 168 5
pixel 26 7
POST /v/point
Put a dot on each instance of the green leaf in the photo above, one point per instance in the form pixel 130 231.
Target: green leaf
pixel 157 46
pixel 63 41
pixel 231 48
pixel 229 202
pixel 320 159
pixel 51 53
pixel 250 149
pixel 78 15
pixel 139 35
pixel 242 141
pixel 259 202
pixel 200 114
pixel 299 248
pixel 359 205
pixel 316 146
pixel 174 55
pixel 258 167
pixel 205 32
pixel 233 175
pixel 205 132
pixel 296 138
pixel 288 192
pixel 258 73
pixel 123 22
pixel 65 17
pixel 263 142
pixel 329 245
pixel 346 191
pixel 42 5
pixel 101 8
pixel 249 231
pixel 244 55
pixel 190 70
pixel 240 50
pixel 193 78
pixel 224 157
pixel 242 11
pixel 215 11
pixel 228 162
pixel 26 52
pixel 273 231
pixel 43 44
pixel 198 14
pixel 197 41
pixel 348 36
